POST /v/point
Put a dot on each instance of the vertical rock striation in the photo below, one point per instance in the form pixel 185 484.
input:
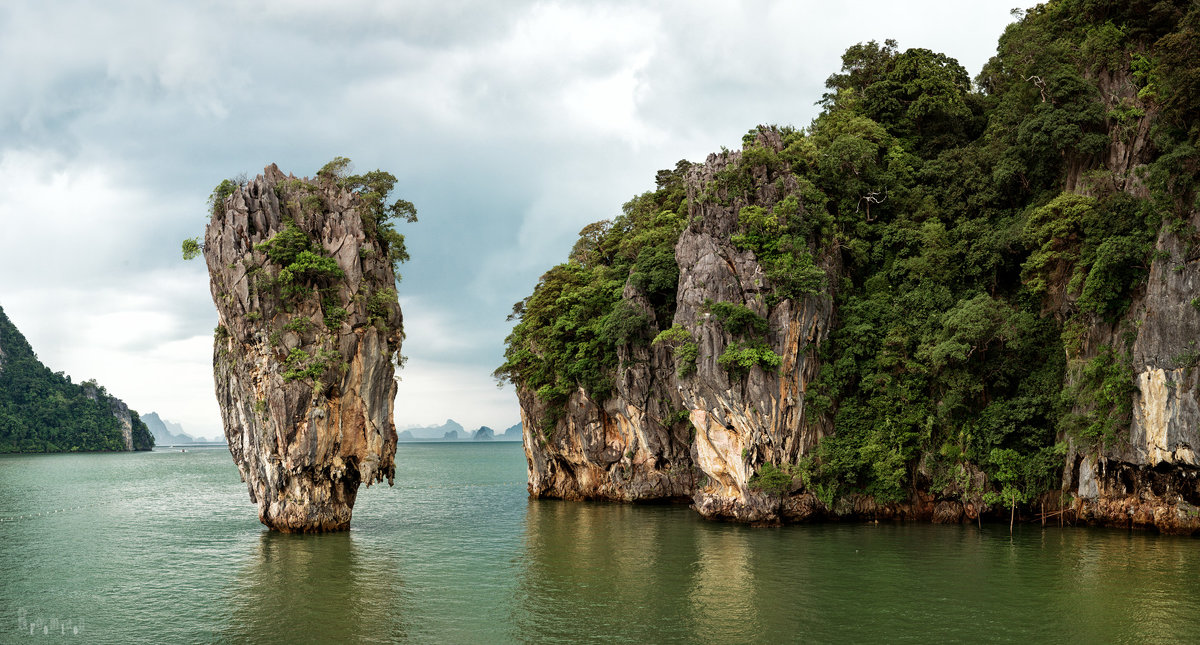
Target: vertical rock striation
pixel 1148 477
pixel 630 446
pixel 1147 474
pixel 303 359
pixel 744 420
pixel 671 431
pixel 627 448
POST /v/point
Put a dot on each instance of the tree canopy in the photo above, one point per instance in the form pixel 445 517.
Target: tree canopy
pixel 44 411
pixel 981 231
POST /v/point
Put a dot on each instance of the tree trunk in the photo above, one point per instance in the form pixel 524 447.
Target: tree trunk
pixel 1012 518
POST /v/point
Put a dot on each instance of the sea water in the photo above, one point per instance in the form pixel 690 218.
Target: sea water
pixel 165 547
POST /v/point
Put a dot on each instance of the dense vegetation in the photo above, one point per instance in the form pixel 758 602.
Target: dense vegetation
pixel 43 411
pixel 293 268
pixel 982 232
pixel 378 216
pixel 969 290
pixel 571 326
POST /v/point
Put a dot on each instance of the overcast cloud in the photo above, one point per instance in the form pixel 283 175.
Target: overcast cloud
pixel 510 125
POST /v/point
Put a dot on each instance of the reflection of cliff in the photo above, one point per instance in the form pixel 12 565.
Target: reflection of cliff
pixel 596 569
pixel 1113 577
pixel 628 573
pixel 342 596
pixel 721 595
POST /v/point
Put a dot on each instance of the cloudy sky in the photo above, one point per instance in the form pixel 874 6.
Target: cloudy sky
pixel 509 124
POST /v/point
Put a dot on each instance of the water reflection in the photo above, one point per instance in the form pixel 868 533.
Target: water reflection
pixel 166 550
pixel 635 574
pixel 316 588
pixel 1106 577
pixel 618 570
pixel 655 574
pixel 722 599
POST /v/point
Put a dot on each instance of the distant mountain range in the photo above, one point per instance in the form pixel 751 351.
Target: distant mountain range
pixel 452 430
pixel 169 433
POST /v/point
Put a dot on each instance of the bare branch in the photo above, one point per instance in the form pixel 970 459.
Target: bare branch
pixel 870 198
pixel 1041 85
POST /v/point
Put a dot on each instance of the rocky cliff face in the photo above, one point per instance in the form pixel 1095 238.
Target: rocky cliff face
pixel 303 359
pixel 674 430
pixel 634 446
pixel 744 421
pixel 1010 275
pixel 135 435
pixel 121 412
pixel 629 448
pixel 1147 477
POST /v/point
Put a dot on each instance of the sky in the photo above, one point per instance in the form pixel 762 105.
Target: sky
pixel 511 125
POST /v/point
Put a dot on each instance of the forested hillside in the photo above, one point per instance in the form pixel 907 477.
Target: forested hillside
pixel 43 411
pixel 943 290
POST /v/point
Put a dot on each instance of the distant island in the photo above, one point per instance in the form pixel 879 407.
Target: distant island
pixel 44 411
pixel 452 430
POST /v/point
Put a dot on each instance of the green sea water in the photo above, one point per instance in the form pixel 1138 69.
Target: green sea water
pixel 165 547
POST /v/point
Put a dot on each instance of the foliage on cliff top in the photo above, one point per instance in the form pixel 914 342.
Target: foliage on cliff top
pixel 373 190
pixel 569 329
pixel 296 268
pixel 948 346
pixel 979 230
pixel 44 411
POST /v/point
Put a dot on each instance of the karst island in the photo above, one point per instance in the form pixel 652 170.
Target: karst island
pixel 303 276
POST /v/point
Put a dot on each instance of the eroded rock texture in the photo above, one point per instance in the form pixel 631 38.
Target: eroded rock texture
pixel 1132 463
pixel 1147 477
pixel 744 421
pixel 629 448
pixel 304 350
pixel 119 410
pixel 701 435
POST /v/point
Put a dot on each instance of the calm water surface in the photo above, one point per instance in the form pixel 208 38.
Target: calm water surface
pixel 165 547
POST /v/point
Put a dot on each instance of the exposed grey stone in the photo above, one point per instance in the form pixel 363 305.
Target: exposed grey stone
pixel 303 446
pixel 628 448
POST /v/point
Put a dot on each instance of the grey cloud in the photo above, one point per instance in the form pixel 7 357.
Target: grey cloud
pixel 510 125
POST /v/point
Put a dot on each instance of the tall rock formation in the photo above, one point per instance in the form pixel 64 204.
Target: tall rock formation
pixel 695 427
pixel 745 418
pixel 1147 475
pixel 940 300
pixel 630 447
pixel 307 343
